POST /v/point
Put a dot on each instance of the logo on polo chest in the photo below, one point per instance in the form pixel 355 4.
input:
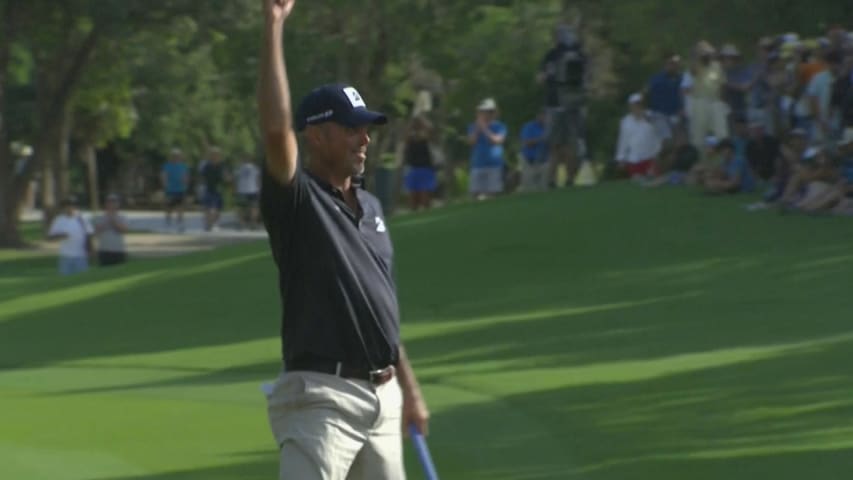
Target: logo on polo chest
pixel 380 225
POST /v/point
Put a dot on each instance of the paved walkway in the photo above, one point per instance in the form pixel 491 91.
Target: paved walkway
pixel 151 237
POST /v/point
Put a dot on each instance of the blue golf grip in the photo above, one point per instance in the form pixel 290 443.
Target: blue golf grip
pixel 423 452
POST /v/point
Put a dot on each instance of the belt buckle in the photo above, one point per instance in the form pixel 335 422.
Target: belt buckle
pixel 381 376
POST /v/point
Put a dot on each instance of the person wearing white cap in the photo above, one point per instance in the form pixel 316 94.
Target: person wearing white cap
pixel 486 136
pixel 639 142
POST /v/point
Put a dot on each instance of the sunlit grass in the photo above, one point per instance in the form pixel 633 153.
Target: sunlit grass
pixel 603 334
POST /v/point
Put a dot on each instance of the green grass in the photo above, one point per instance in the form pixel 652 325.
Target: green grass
pixel 610 333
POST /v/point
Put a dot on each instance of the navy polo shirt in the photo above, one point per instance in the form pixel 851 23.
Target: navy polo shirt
pixel 335 273
pixel 665 93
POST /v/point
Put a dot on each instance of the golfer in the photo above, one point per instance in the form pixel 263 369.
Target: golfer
pixel 347 390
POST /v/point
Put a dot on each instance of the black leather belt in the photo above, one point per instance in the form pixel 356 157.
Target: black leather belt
pixel 340 369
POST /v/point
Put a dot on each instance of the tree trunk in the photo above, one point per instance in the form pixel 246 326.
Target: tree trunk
pixel 90 157
pixel 9 234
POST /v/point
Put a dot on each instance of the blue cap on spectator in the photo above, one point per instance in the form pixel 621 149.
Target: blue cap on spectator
pixel 711 141
pixel 337 103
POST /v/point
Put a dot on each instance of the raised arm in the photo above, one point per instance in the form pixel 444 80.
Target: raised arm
pixel 276 115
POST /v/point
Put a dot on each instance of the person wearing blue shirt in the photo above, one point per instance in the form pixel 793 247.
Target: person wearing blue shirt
pixel 664 89
pixel 534 152
pixel 175 179
pixel 735 175
pixel 486 137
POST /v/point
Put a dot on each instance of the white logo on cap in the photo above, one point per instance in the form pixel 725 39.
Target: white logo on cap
pixel 320 116
pixel 354 97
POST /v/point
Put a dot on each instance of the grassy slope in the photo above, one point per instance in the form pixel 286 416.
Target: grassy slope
pixel 602 334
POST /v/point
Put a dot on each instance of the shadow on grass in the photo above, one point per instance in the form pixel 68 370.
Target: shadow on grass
pixel 209 299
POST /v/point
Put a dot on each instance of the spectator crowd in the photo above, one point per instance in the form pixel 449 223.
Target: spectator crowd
pixel 776 119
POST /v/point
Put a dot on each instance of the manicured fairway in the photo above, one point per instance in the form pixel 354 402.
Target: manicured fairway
pixel 611 334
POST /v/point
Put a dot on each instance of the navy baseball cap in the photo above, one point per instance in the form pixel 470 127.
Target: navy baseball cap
pixel 337 103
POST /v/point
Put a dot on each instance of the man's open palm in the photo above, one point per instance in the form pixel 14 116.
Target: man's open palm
pixel 278 10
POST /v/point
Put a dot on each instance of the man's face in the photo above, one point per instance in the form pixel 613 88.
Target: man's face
pixel 636 108
pixel 485 115
pixel 344 148
pixel 672 66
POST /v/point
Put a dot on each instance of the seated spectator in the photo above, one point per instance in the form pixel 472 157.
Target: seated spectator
pixel 109 230
pixel 762 150
pixel 678 164
pixel 709 162
pixel 837 197
pixel 734 176
pixel 639 143
pixel 421 180
pixel 534 153
pixel 810 178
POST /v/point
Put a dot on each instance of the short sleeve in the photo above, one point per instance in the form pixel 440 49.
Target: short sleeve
pixel 55 228
pixel 499 128
pixel 280 205
pixel 87 225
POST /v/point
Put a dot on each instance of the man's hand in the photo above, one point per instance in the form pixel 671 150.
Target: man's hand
pixel 277 11
pixel 415 412
pixel 414 407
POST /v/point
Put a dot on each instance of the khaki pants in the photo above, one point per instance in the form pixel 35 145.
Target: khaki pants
pixel 707 116
pixel 534 176
pixel 332 428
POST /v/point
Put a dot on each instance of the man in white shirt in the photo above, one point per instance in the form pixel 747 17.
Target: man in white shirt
pixel 248 177
pixel 639 140
pixel 73 230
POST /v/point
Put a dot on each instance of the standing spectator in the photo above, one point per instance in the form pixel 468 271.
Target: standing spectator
pixel 175 179
pixel 213 176
pixel 110 229
pixel 534 152
pixel 841 102
pixel 564 73
pixel 707 110
pixel 665 97
pixel 248 177
pixel 818 96
pixel 639 143
pixel 739 80
pixel 75 233
pixel 421 180
pixel 486 136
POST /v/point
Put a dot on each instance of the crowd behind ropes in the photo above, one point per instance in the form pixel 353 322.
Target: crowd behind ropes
pixel 774 118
